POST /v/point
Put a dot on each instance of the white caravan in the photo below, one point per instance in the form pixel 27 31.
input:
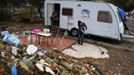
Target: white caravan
pixel 102 19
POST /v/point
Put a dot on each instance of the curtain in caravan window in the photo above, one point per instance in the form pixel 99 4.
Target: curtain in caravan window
pixel 104 16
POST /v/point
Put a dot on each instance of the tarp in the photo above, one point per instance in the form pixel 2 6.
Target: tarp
pixel 122 13
pixel 3 33
pixel 11 39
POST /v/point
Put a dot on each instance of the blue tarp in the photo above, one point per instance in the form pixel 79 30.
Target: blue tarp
pixel 122 14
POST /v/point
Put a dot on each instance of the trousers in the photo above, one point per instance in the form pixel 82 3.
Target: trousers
pixel 80 38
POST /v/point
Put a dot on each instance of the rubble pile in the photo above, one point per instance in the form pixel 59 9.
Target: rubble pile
pixel 43 61
pixel 24 59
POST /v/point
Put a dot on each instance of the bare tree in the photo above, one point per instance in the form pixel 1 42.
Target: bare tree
pixel 36 4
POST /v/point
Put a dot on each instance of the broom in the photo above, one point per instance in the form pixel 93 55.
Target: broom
pixel 65 34
pixel 55 40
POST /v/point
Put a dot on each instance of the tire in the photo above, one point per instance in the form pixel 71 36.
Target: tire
pixel 121 37
pixel 74 32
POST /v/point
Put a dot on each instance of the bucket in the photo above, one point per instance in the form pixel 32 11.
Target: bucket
pixel 46 31
pixel 36 30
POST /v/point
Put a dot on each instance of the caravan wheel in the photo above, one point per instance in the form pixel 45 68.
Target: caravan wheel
pixel 74 32
pixel 121 38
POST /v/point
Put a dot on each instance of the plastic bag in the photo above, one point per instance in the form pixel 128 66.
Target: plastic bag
pixel 14 70
pixel 11 39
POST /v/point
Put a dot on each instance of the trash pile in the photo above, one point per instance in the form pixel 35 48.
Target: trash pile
pixel 31 60
pixel 18 59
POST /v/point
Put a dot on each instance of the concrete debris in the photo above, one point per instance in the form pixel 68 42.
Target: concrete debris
pixel 3 54
pixel 23 65
pixel 14 50
pixel 87 50
pixel 40 66
pixel 43 62
pixel 28 62
pixel 41 53
pixel 47 69
pixel 87 74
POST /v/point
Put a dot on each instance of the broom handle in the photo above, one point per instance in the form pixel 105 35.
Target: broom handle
pixel 61 40
pixel 56 37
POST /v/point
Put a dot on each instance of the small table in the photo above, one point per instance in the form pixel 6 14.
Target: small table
pixel 41 37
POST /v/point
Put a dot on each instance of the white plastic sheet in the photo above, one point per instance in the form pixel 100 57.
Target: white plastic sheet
pixel 31 49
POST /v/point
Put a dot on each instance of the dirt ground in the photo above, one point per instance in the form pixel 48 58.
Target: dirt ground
pixel 120 62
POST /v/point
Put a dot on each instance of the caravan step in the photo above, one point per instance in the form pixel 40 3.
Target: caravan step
pixel 128 36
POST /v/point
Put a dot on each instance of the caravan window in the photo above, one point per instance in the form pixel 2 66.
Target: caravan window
pixel 104 16
pixel 67 11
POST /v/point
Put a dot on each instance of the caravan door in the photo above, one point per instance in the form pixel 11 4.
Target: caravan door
pixel 49 8
pixel 52 9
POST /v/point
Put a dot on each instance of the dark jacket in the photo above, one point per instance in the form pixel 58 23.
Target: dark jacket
pixel 81 27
